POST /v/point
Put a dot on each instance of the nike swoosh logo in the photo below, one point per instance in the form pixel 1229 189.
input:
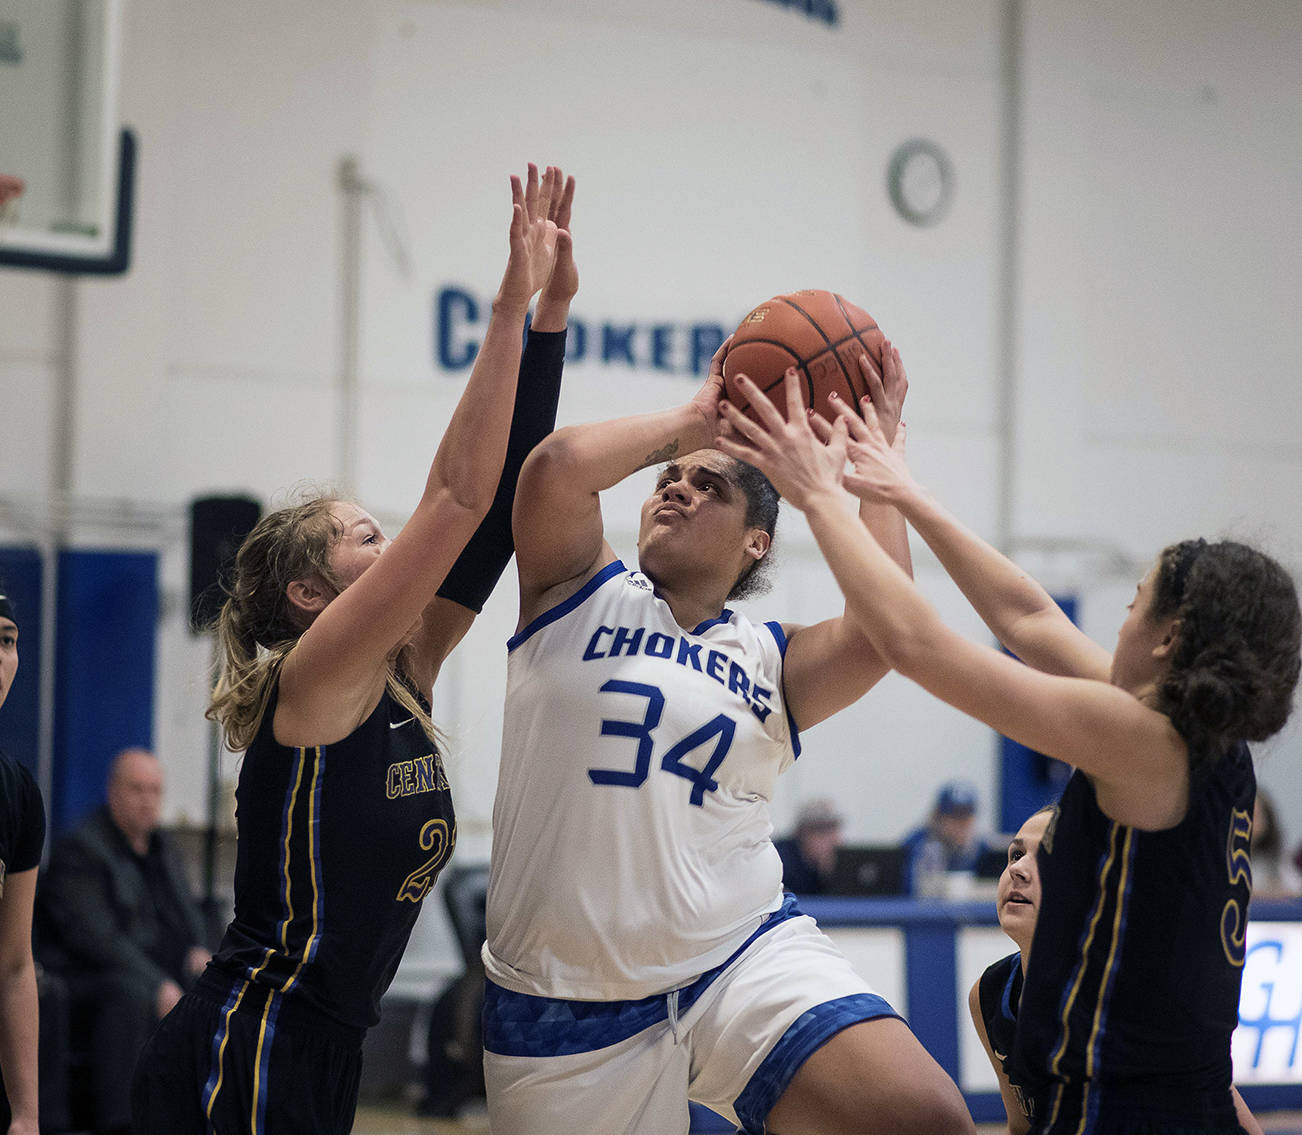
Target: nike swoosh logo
pixel 400 724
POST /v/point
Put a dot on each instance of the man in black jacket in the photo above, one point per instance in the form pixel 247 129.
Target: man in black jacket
pixel 116 918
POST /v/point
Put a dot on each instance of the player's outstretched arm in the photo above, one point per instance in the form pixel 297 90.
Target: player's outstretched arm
pixel 831 664
pixel 473 577
pixel 886 392
pixel 336 670
pixel 1018 611
pixel 1092 725
pixel 559 535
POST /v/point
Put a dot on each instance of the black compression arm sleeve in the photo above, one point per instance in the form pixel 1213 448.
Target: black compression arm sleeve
pixel 482 561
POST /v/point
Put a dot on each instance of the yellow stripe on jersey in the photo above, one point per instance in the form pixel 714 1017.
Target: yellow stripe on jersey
pixel 288 898
pixel 312 868
pixel 289 831
pixel 1070 1001
pixel 1123 882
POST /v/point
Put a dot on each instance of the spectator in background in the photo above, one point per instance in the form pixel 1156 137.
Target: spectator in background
pixel 22 835
pixel 809 853
pixel 947 842
pixel 117 920
pixel 1273 877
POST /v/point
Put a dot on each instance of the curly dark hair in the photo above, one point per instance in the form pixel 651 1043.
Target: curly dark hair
pixel 762 502
pixel 1236 659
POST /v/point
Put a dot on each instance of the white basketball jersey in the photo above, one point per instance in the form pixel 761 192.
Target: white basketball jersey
pixel 631 831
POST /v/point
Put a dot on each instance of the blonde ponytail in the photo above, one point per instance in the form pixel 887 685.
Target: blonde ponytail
pixel 256 628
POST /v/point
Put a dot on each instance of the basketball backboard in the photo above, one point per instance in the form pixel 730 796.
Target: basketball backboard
pixel 60 133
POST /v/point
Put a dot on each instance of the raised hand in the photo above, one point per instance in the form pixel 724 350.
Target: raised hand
pixel 563 281
pixel 706 400
pixel 533 237
pixel 878 470
pixel 800 465
pixel 886 387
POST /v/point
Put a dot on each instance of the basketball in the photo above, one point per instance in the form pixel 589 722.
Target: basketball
pixel 819 333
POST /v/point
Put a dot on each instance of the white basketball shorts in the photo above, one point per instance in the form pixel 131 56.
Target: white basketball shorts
pixel 731 1040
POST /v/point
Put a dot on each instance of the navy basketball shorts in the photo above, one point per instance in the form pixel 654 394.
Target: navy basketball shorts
pixel 233 1058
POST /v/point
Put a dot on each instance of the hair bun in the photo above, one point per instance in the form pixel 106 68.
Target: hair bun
pixel 1211 697
pixel 1235 668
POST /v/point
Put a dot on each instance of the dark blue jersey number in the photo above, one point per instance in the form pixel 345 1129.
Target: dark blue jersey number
pixel 640 730
pixel 719 729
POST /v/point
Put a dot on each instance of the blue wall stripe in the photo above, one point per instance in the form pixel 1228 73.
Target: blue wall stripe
pixel 933 992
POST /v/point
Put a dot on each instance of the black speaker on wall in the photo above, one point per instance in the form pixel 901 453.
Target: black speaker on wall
pixel 218 526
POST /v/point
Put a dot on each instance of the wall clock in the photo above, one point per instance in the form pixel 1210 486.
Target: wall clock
pixel 920 178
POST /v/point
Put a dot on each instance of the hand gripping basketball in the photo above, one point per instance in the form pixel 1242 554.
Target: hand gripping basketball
pixel 820 334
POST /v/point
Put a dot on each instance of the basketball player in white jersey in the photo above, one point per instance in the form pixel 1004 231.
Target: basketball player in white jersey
pixel 640 949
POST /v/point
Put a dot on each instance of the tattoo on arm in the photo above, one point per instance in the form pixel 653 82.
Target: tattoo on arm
pixel 664 453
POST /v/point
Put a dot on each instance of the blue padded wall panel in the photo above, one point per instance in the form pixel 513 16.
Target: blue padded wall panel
pixel 1029 780
pixel 104 671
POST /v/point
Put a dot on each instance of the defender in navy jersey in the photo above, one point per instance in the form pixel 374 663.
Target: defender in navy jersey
pixel 333 637
pixel 640 949
pixel 382 796
pixel 1168 910
pixel 1126 1011
pixel 995 999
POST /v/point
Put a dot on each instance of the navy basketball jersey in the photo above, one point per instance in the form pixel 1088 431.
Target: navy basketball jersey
pixel 1132 993
pixel 1000 993
pixel 338 845
pixel 22 820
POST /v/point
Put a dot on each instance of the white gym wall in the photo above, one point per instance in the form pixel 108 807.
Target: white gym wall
pixel 1102 352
